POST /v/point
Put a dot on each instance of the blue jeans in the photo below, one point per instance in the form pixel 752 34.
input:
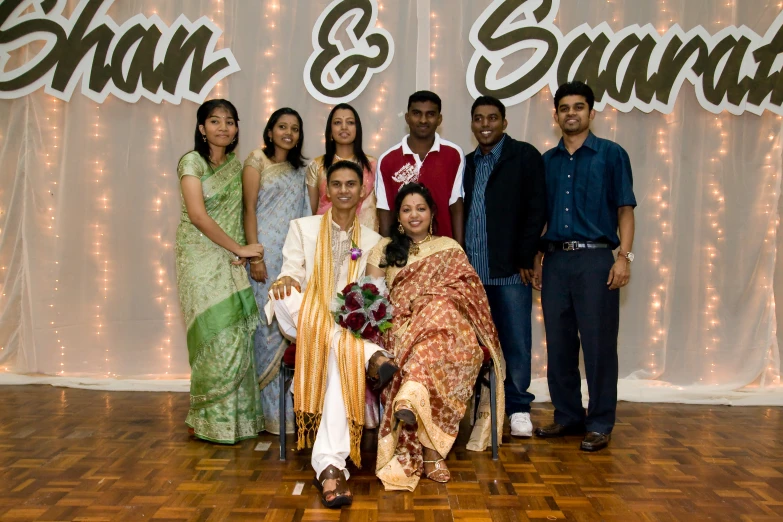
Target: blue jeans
pixel 511 307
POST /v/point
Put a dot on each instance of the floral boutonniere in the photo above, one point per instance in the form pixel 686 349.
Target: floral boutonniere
pixel 356 252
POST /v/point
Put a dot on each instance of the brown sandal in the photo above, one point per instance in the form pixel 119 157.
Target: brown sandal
pixel 342 495
pixel 439 474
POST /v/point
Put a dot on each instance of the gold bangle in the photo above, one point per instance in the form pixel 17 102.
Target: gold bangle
pixel 257 262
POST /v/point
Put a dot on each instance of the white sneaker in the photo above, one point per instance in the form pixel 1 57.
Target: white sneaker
pixel 521 425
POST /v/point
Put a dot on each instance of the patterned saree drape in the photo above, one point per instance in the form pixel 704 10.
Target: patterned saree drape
pixel 441 315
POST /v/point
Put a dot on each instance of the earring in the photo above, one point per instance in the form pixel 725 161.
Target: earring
pixel 204 137
pixel 235 140
pixel 430 227
pixel 399 227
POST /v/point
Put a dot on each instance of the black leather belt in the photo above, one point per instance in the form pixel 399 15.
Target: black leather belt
pixel 569 246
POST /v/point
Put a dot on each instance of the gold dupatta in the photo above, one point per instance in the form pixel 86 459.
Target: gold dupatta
pixel 314 332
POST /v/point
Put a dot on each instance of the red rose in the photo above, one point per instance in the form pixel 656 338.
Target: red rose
pixel 371 287
pixel 352 302
pixel 347 289
pixel 380 313
pixel 355 321
pixel 371 333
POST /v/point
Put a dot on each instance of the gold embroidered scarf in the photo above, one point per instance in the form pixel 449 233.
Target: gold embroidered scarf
pixel 314 329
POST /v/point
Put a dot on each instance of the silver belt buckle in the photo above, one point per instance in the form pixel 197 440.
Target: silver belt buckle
pixel 568 246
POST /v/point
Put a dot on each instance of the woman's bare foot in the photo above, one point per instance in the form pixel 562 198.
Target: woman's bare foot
pixel 435 466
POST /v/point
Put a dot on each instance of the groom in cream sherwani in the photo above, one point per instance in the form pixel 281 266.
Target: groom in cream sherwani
pixel 321 255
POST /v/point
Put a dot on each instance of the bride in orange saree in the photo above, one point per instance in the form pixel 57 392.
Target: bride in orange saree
pixel 441 317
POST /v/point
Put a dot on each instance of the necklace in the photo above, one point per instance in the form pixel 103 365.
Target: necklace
pixel 414 249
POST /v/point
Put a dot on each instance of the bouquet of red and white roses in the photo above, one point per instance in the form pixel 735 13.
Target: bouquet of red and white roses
pixel 363 308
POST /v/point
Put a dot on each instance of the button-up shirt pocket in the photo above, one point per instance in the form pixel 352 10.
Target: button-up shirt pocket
pixel 589 186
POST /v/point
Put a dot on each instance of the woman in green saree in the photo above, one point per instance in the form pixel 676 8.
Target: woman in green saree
pixel 217 302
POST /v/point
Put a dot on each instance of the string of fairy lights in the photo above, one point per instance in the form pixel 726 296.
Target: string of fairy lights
pixel 55 120
pixel 100 233
pixel 218 18
pixel 434 35
pixel 271 19
pixel 660 238
pixel 378 106
pixel 660 241
pixel 161 271
pixel 772 165
pixel 714 204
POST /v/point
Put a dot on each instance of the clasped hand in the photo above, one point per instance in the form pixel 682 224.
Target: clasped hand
pixel 245 252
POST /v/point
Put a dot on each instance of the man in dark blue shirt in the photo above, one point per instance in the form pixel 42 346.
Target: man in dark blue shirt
pixel 589 197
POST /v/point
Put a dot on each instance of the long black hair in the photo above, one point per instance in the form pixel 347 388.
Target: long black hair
pixel 206 109
pixel 397 250
pixel 331 146
pixel 294 156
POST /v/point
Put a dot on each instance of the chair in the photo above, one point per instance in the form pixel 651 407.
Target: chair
pixel 287 364
pixel 487 377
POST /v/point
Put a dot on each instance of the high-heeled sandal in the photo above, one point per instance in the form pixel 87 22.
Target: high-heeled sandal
pixel 342 495
pixel 439 474
pixel 380 375
pixel 403 412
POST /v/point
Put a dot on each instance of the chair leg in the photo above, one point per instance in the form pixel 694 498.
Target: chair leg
pixel 281 378
pixel 477 396
pixel 493 414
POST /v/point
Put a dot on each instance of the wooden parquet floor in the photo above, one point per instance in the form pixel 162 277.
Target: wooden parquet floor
pixel 68 454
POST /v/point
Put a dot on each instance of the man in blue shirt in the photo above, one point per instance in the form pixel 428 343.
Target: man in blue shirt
pixel 506 202
pixel 589 196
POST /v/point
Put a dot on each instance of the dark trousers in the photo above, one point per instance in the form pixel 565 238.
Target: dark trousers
pixel 577 303
pixel 511 306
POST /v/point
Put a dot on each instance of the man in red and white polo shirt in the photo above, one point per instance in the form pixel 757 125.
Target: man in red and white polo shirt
pixel 424 157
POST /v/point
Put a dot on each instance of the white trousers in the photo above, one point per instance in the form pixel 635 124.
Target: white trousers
pixel 333 441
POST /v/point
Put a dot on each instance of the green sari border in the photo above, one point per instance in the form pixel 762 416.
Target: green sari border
pixel 212 171
pixel 216 395
pixel 234 309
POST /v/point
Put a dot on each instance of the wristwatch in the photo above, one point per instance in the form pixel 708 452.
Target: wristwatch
pixel 627 255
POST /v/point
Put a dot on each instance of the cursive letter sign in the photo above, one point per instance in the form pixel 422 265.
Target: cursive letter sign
pixel 334 73
pixel 143 57
pixel 735 70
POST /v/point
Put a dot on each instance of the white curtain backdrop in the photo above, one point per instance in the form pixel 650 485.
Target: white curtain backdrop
pixel 89 199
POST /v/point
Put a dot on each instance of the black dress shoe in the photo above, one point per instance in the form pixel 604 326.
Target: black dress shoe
pixel 595 441
pixel 558 430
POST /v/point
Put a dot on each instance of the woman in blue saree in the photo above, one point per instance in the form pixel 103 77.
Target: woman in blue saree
pixel 275 193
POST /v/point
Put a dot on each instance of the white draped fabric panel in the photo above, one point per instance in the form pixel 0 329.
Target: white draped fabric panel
pixel 89 199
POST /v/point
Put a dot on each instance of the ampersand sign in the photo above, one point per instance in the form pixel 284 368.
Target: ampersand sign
pixel 335 72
